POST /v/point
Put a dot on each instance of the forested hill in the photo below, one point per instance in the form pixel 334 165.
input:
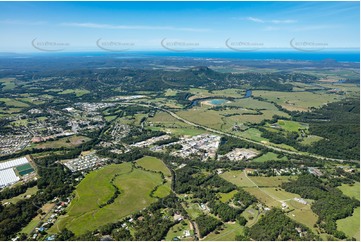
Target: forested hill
pixel 104 81
pixel 339 124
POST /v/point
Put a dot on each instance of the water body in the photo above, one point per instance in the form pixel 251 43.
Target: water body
pixel 348 56
pixel 218 101
pixel 341 55
pixel 248 93
pixel 194 103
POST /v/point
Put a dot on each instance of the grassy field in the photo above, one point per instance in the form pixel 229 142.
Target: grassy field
pixel 254 104
pixel 164 121
pixel 67 142
pixel 193 210
pixel 300 101
pixel 272 198
pixel 11 102
pixel 271 195
pixel 351 225
pixel 351 191
pixel 269 156
pixel 252 216
pixel 84 213
pixel 163 118
pixel 36 220
pixel 202 93
pixel 180 131
pixel 77 92
pixel 238 178
pixel 217 120
pixel 225 197
pixel 228 233
pixel 170 92
pixel 8 83
pixel 310 139
pixel 304 216
pixel 163 190
pixel 178 230
pixel 272 181
pixel 291 126
pixel 29 191
pixel 203 116
pixel 153 164
pixel 253 134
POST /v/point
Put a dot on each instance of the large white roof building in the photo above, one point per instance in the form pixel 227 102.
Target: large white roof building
pixel 13 163
pixel 7 177
pixel 7 173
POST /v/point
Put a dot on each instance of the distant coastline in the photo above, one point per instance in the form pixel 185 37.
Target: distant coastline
pixel 346 55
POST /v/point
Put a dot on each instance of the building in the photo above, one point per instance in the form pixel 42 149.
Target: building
pixel 13 163
pixel 8 177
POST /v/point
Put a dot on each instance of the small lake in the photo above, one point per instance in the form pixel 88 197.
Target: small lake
pixel 217 101
pixel 248 93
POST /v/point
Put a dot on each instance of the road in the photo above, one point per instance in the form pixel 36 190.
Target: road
pixel 239 137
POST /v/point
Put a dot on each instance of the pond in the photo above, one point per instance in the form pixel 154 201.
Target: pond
pixel 248 93
pixel 217 101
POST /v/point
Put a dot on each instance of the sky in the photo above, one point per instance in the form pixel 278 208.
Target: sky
pixel 178 26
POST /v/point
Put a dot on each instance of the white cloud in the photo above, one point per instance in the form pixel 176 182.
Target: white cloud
pixel 286 21
pixel 257 20
pixel 273 21
pixel 301 28
pixel 132 27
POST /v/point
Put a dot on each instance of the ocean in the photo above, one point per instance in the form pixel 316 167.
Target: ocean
pixel 339 55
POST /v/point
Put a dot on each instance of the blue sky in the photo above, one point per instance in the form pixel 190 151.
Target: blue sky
pixel 77 26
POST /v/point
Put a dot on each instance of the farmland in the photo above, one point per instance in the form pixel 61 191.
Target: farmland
pixel 351 225
pixel 63 142
pixel 77 92
pixel 238 178
pixel 56 117
pixel 154 164
pixel 29 192
pixel 351 190
pixel 84 212
pixel 269 156
pixel 228 232
pixel 178 230
pixel 300 101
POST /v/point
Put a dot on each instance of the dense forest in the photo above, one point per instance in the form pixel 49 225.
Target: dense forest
pixel 338 123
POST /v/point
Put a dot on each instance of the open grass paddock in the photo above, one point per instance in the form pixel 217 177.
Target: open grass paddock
pixel 84 212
